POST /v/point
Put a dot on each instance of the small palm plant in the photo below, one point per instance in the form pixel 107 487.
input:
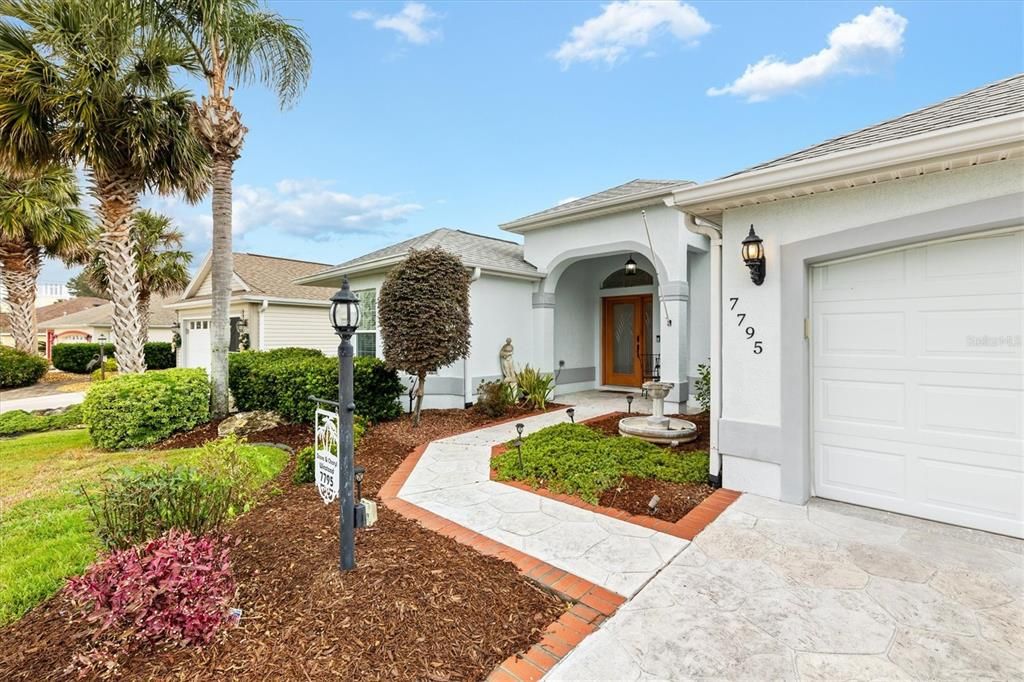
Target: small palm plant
pixel 162 262
pixel 39 216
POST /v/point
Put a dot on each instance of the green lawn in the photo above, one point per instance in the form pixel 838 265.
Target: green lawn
pixel 46 531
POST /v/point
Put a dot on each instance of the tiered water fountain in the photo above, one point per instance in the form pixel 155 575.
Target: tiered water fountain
pixel 658 428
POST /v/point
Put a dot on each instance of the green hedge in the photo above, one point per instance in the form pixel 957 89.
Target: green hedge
pixel 20 369
pixel 283 379
pixel 75 357
pixel 134 410
pixel 159 355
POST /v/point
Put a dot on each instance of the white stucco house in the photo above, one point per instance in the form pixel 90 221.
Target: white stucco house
pixel 565 298
pixel 266 304
pixel 880 362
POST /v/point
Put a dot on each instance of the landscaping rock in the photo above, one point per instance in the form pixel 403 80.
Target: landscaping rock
pixel 244 423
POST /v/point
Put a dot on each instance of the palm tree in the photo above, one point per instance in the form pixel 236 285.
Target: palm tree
pixel 83 81
pixel 162 263
pixel 233 42
pixel 39 216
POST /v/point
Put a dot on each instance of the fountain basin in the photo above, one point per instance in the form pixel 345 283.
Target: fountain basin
pixel 660 430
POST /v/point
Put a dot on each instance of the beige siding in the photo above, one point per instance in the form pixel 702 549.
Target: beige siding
pixel 304 326
pixel 206 288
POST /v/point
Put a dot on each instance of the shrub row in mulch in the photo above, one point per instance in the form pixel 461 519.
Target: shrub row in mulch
pixel 419 606
pixel 633 495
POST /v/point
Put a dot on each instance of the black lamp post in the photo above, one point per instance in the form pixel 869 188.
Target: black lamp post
pixel 753 256
pixel 345 320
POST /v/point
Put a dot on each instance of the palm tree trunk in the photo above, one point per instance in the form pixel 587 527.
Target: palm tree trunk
pixel 222 269
pixel 144 315
pixel 220 126
pixel 118 197
pixel 21 263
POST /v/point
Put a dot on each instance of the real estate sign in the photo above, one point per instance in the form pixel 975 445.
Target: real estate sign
pixel 326 458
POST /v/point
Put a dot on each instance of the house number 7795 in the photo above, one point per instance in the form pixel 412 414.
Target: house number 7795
pixel 750 332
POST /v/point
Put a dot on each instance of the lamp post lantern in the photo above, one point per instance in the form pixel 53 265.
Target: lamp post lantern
pixel 345 319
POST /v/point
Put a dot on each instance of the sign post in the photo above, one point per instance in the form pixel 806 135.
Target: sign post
pixel 326 471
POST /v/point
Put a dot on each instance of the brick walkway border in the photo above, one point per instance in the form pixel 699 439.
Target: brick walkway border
pixel 591 604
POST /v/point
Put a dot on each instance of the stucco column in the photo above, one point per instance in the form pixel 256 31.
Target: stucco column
pixel 674 297
pixel 544 331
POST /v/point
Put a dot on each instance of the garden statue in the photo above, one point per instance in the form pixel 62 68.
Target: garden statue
pixel 508 369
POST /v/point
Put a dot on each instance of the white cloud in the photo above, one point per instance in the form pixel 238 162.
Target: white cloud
pixel 852 48
pixel 410 23
pixel 310 209
pixel 628 24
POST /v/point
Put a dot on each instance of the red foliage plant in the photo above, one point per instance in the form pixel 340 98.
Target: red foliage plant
pixel 173 589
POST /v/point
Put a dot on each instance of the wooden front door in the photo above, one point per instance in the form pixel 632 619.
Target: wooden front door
pixel 625 331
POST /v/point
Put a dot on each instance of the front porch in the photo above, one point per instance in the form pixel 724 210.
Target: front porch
pixel 601 325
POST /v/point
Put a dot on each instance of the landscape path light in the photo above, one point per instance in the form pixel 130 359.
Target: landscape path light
pixel 344 315
pixel 519 445
pixel 629 403
pixel 572 414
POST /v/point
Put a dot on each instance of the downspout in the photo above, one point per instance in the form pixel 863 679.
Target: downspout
pixel 714 234
pixel 263 308
pixel 467 381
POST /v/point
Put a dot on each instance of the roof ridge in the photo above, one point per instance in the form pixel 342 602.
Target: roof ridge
pixel 877 124
pixel 293 260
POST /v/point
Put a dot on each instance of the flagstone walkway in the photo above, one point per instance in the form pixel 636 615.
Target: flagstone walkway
pixel 452 479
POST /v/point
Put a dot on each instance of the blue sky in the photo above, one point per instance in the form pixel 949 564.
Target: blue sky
pixel 466 115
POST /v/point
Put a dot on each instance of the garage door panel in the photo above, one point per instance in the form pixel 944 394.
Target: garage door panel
pixel 975 489
pixel 971 412
pixel 856 334
pixel 918 381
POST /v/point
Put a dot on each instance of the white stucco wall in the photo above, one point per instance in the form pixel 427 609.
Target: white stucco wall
pixel 752 383
pixel 500 308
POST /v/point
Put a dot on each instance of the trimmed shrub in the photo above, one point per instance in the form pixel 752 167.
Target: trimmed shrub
pixel 20 369
pixel 159 355
pixel 495 397
pixel 282 380
pixel 20 421
pixel 175 589
pixel 75 357
pixel 141 409
pixel 305 459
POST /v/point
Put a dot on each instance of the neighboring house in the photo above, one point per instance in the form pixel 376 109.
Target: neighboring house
pixel 90 324
pixel 266 304
pixel 48 313
pixel 46 294
pixel 565 298
pixel 500 308
pixel 880 362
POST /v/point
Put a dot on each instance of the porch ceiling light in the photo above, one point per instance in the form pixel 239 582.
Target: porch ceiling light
pixel 344 310
pixel 753 256
pixel 630 266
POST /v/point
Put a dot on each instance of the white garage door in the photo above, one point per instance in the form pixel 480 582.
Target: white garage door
pixel 197 344
pixel 918 381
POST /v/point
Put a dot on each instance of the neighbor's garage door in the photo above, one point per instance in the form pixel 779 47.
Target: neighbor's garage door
pixel 918 381
pixel 197 344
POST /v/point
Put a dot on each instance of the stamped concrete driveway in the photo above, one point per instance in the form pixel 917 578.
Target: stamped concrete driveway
pixel 827 591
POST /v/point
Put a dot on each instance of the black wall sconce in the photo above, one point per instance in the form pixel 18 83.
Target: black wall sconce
pixel 753 256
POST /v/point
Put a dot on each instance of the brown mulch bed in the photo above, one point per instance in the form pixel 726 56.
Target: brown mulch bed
pixel 420 606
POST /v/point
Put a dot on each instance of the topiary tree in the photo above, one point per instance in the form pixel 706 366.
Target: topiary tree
pixel 423 315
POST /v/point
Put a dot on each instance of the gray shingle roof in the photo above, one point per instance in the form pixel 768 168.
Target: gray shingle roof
pixel 989 101
pixel 276 276
pixel 622 192
pixel 475 250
